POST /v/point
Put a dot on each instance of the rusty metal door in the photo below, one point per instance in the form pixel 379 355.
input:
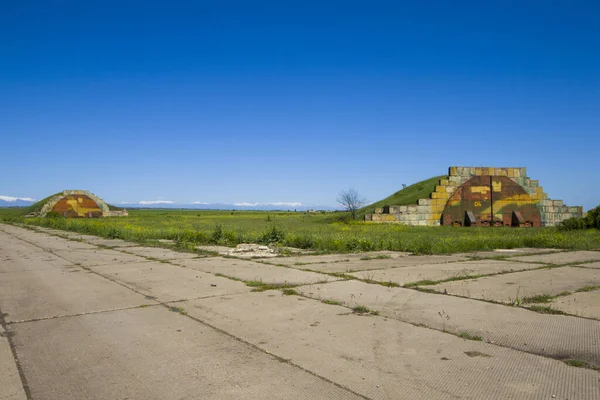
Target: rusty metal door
pixel 491 201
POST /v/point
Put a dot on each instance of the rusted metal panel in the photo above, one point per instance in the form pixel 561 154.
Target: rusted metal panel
pixel 492 201
pixel 77 206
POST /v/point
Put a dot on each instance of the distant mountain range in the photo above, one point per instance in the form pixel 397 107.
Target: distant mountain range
pixel 228 206
pixel 6 201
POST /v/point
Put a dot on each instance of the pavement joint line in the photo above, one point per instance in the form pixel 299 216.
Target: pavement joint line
pixel 432 291
pixel 202 297
pixel 13 349
pixel 457 333
pixel 82 314
pixel 165 304
pixel 279 358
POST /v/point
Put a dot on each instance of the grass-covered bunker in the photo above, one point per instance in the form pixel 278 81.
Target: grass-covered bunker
pixel 476 196
pixel 75 204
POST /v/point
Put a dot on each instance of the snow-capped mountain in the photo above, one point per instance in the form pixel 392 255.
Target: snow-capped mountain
pixel 8 201
pixel 226 206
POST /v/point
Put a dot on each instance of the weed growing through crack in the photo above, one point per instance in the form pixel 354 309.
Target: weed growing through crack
pixel 541 298
pixel 377 257
pixel 179 310
pixel 290 292
pixel 588 288
pixel 545 310
pixel 576 363
pixel 260 286
pixel 364 310
pixel 332 302
pixel 467 335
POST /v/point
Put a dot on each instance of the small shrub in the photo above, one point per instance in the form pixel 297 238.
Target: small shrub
pixel 274 234
pixel 217 234
pixel 54 215
pixel 591 220
pixel 572 224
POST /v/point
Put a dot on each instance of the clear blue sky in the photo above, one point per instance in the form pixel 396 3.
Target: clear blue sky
pixel 228 101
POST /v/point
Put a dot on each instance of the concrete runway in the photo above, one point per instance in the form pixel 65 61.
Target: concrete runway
pixel 79 320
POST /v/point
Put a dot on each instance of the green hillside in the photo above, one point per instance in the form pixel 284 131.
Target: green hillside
pixel 37 207
pixel 407 196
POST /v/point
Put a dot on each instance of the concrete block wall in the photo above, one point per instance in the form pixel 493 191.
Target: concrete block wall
pixel 428 212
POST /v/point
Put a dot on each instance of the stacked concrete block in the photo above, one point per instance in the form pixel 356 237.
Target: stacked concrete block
pixel 429 211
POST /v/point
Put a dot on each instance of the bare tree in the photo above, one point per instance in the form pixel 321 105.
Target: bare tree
pixel 351 201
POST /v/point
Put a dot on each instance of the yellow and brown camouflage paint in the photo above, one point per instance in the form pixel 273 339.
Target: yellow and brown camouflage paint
pixel 77 206
pixel 493 201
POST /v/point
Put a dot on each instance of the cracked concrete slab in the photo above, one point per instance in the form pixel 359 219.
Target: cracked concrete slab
pixel 159 253
pixel 50 293
pixel 360 265
pixel 168 282
pixel 253 271
pixel 99 256
pixel 510 252
pixel 438 272
pixel 518 285
pixel 17 255
pixel 11 387
pixel 98 241
pixel 54 243
pixel 556 336
pixel 583 304
pixel 45 241
pixel 591 265
pixel 562 258
pixel 380 358
pixel 332 258
pixel 153 353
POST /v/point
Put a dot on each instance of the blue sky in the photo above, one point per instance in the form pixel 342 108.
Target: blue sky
pixel 294 101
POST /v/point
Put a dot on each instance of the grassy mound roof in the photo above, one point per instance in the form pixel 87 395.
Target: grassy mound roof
pixel 37 207
pixel 407 196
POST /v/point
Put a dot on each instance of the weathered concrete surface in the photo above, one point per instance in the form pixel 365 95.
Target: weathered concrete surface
pixel 48 293
pixel 366 265
pixel 99 256
pixel 45 241
pixel 381 358
pixel 11 387
pixel 438 272
pixel 253 271
pixel 152 353
pixel 76 236
pixel 332 258
pixel 556 336
pixel 510 252
pixel 168 282
pixel 510 287
pixel 98 241
pixel 585 304
pixel 158 253
pixel 223 250
pixel 17 255
pixel 591 265
pixel 562 258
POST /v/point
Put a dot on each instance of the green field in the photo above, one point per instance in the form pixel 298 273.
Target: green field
pixel 319 231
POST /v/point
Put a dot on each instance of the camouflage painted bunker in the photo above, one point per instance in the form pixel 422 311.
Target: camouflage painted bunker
pixel 481 196
pixel 79 204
